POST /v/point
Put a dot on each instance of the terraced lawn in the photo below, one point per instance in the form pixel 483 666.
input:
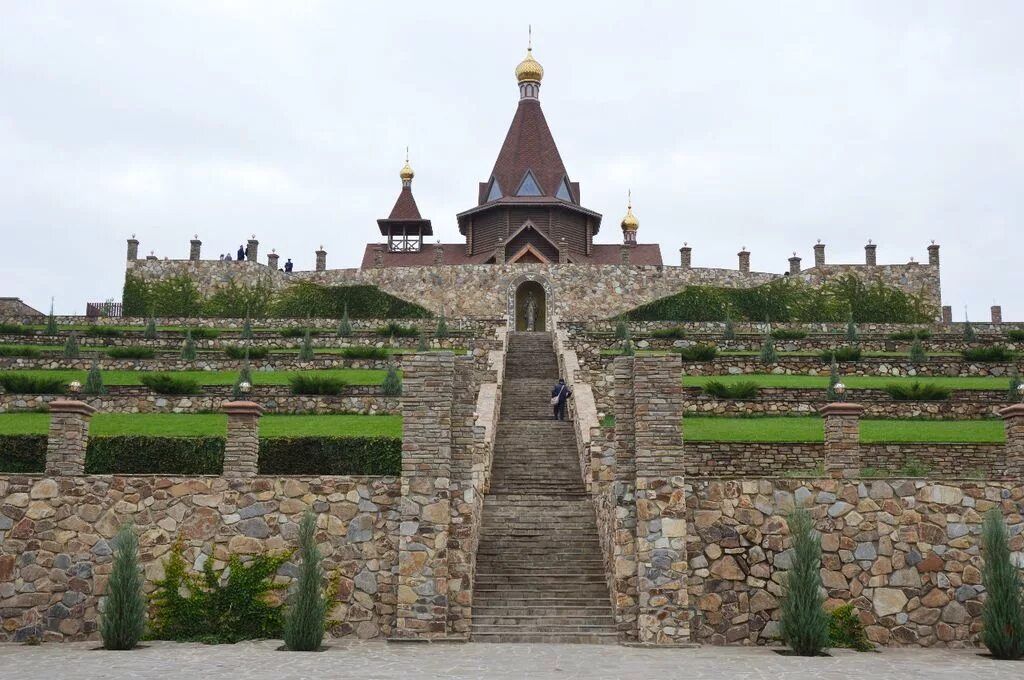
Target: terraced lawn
pixel 206 353
pixel 212 424
pixel 811 429
pixel 851 381
pixel 352 376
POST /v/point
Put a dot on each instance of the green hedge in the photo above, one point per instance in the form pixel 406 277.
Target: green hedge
pixel 789 300
pixel 205 455
pixel 304 299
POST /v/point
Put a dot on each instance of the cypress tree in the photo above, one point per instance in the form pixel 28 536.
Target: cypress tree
pixel 917 353
pixel 851 329
pixel 94 380
pixel 1002 615
pixel 247 328
pixel 969 334
pixel 124 616
pixel 188 348
pixel 442 327
pixel 51 321
pixel 306 618
pixel 392 385
pixel 150 331
pixel 345 326
pixel 306 351
pixel 804 623
pixel 244 375
pixel 422 345
pixel 730 331
pixel 621 329
pixel 71 346
pixel 768 354
pixel 833 378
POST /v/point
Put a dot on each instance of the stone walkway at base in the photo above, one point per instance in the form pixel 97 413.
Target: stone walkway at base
pixel 409 661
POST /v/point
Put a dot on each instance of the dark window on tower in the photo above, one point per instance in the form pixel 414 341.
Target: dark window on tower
pixel 563 191
pixel 529 186
pixel 494 193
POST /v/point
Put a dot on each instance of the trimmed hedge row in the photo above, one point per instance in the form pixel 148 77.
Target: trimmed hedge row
pixel 205 455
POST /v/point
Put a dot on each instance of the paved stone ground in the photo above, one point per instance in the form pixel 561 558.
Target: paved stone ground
pixel 380 660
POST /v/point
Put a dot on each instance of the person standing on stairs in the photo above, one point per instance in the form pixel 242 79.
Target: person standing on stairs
pixel 560 394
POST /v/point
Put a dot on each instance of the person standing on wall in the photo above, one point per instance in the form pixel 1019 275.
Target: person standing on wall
pixel 241 253
pixel 560 394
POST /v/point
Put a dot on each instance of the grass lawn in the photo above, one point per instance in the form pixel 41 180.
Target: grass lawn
pixel 206 353
pixel 852 381
pixel 811 429
pixel 212 424
pixel 352 376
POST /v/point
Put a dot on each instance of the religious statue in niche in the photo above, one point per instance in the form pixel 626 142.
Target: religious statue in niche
pixel 531 313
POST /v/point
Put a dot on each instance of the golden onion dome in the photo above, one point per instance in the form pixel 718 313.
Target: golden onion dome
pixel 630 222
pixel 406 172
pixel 529 68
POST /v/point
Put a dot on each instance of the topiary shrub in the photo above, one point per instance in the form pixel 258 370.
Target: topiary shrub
pixel 392 385
pixel 20 453
pixel 848 353
pixel 364 352
pixel 745 389
pixel 144 455
pixel 421 344
pixel 804 623
pixel 917 353
pixel 247 328
pixel 150 331
pixel 917 391
pixel 969 334
pixel 846 630
pixel 188 347
pixel 441 331
pixel 311 384
pixel 1002 614
pixel 131 353
pixel 20 383
pixel 768 354
pixel 306 352
pixel 344 326
pixel 698 352
pixel 729 332
pixel 621 328
pixel 71 348
pixel 306 617
pixel 225 606
pixel 993 354
pixel 51 322
pixel 94 380
pixel 851 329
pixel 166 383
pixel 674 333
pixel 329 456
pixel 237 352
pixel 123 621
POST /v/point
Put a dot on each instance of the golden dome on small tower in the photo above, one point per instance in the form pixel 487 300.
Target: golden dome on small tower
pixel 630 222
pixel 406 172
pixel 529 68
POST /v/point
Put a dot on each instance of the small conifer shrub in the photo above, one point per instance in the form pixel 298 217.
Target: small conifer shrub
pixel 94 380
pixel 306 618
pixel 846 630
pixel 768 353
pixel 123 621
pixel 392 385
pixel 804 623
pixel 421 345
pixel 247 329
pixel 71 348
pixel 621 329
pixel 188 347
pixel 442 328
pixel 917 353
pixel 1002 614
pixel 344 326
pixel 51 322
pixel 729 333
pixel 149 333
pixel 833 379
pixel 306 350
pixel 969 334
pixel 627 348
pixel 851 329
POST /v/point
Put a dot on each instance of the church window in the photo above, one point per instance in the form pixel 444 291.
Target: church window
pixel 529 186
pixel 563 191
pixel 494 193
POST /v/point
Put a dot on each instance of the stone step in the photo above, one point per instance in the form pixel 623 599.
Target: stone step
pixel 601 638
pixel 544 628
pixel 541 621
pixel 581 610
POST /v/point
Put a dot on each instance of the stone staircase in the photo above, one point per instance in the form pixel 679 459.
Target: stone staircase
pixel 539 571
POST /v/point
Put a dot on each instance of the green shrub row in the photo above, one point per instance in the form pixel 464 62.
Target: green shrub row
pixel 131 353
pixel 167 383
pixel 917 391
pixel 15 329
pixel 205 455
pixel 744 389
pixel 237 352
pixel 20 383
pixel 788 334
pixel 312 384
pixel 676 333
pixel 789 300
pixel 698 352
pixel 847 353
pixel 920 334
pixel 19 351
pixel 1016 336
pixel 995 353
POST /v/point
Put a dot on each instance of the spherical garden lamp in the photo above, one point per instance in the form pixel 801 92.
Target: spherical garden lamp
pixel 245 387
pixel 840 390
pixel 74 387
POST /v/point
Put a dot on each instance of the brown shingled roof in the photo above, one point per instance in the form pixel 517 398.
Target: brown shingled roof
pixel 528 146
pixel 405 207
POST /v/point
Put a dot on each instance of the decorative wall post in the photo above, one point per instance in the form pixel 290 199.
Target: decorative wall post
pixel 68 437
pixel 438 255
pixel 242 448
pixel 842 439
pixel 321 259
pixel 252 252
pixel 685 256
pixel 378 256
pixel 624 254
pixel 195 246
pixel 427 399
pixel 1013 420
pixel 947 314
pixel 133 248
pixel 997 314
pixel 933 254
pixel 871 254
pixel 819 254
pixel 744 256
pixel 794 265
pixel 272 260
pixel 499 252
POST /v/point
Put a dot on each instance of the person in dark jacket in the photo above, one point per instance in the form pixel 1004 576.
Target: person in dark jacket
pixel 288 266
pixel 241 253
pixel 560 393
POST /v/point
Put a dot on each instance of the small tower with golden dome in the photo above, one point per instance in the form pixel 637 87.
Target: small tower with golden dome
pixel 629 223
pixel 529 73
pixel 405 227
pixel 406 172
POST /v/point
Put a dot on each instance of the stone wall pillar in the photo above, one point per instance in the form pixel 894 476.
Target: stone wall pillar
pixel 819 254
pixel 438 255
pixel 744 257
pixel 624 254
pixel 242 448
pixel 685 256
pixel 378 256
pixel 563 251
pixel 1013 420
pixel 427 399
pixel 272 261
pixel 997 314
pixel 195 246
pixel 933 254
pixel 499 252
pixel 321 260
pixel 871 254
pixel 68 437
pixel 842 439
pixel 252 252
pixel 133 249
pixel 947 314
pixel 794 265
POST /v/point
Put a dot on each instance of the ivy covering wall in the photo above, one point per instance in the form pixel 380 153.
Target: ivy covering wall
pixel 789 300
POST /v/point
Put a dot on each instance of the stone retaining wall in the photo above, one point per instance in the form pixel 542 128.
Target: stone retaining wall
pixel 592 345
pixel 55 541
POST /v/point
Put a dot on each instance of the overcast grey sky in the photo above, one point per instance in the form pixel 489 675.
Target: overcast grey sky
pixel 765 125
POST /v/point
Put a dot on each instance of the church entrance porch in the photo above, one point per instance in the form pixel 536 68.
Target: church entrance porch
pixel 530 307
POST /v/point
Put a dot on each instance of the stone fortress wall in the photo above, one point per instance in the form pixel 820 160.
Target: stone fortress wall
pixel 579 292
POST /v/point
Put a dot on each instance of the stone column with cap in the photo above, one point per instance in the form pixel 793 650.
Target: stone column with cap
pixel 195 247
pixel 1013 421
pixel 563 251
pixel 685 257
pixel 744 256
pixel 842 439
pixel 378 256
pixel 624 254
pixel 68 437
pixel 242 448
pixel 819 254
pixel 321 259
pixel 997 314
pixel 133 248
pixel 272 260
pixel 947 314
pixel 871 254
pixel 252 253
pixel 438 255
pixel 933 254
pixel 794 265
pixel 499 252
